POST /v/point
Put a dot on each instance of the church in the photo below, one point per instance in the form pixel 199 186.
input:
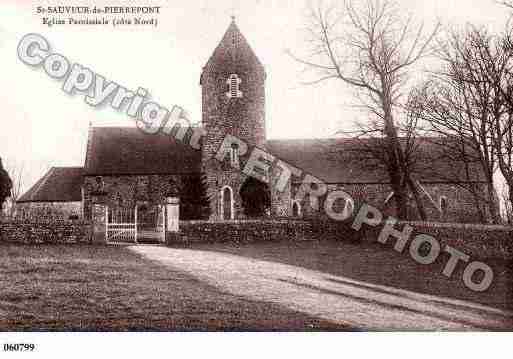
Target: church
pixel 133 168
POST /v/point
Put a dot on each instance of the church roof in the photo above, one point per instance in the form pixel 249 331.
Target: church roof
pixel 129 151
pixel 235 50
pixel 347 160
pixel 59 184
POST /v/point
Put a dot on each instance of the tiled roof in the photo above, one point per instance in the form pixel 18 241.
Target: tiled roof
pixel 129 151
pixel 344 160
pixel 59 184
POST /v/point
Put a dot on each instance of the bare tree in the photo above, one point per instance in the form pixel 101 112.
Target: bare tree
pixel 507 3
pixel 368 152
pixel 503 135
pixel 470 101
pixel 496 58
pixel 446 115
pixel 16 171
pixel 369 47
pixel 508 207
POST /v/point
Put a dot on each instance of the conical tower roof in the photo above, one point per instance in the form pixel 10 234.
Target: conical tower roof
pixel 233 49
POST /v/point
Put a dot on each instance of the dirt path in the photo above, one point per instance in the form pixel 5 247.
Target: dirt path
pixel 335 298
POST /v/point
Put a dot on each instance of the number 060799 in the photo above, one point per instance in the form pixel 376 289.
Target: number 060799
pixel 19 347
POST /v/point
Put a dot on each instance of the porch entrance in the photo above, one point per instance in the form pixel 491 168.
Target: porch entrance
pixel 151 224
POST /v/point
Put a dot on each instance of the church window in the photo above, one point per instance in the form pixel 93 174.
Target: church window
pixel 443 205
pixel 296 209
pixel 234 156
pixel 234 86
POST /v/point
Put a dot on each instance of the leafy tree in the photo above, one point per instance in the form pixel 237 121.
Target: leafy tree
pixel 5 185
pixel 194 202
pixel 256 198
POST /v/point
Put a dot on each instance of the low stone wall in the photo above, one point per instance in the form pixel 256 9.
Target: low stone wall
pixel 479 241
pixel 241 231
pixel 45 232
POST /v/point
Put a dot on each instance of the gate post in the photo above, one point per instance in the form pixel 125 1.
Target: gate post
pixel 173 214
pixel 135 224
pixel 99 223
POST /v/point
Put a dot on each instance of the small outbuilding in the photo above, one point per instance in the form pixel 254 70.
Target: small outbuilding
pixel 57 195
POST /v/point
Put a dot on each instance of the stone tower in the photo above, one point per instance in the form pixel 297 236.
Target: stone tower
pixel 233 103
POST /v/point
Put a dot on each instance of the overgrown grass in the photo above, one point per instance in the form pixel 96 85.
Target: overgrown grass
pixel 83 287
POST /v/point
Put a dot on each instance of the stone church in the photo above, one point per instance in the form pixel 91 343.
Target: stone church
pixel 133 168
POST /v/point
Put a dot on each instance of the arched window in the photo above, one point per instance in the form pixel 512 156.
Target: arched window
pixel 234 86
pixel 227 203
pixel 296 209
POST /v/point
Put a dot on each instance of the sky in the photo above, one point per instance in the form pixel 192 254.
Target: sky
pixel 43 127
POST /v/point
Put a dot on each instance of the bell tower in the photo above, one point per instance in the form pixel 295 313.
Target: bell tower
pixel 233 103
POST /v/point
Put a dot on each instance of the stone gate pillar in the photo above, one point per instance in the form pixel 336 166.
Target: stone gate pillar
pixel 99 219
pixel 173 214
pixel 99 216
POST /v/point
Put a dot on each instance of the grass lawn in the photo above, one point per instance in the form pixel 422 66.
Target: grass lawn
pixel 379 264
pixel 81 287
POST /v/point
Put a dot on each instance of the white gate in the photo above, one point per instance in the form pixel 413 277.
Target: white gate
pixel 121 225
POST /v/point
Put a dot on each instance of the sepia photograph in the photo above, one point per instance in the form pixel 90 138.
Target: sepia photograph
pixel 318 168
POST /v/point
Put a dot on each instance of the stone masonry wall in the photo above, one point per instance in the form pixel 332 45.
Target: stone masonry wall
pixel 128 190
pixel 241 231
pixel 49 210
pixel 242 117
pixel 478 241
pixel 461 206
pixel 48 232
